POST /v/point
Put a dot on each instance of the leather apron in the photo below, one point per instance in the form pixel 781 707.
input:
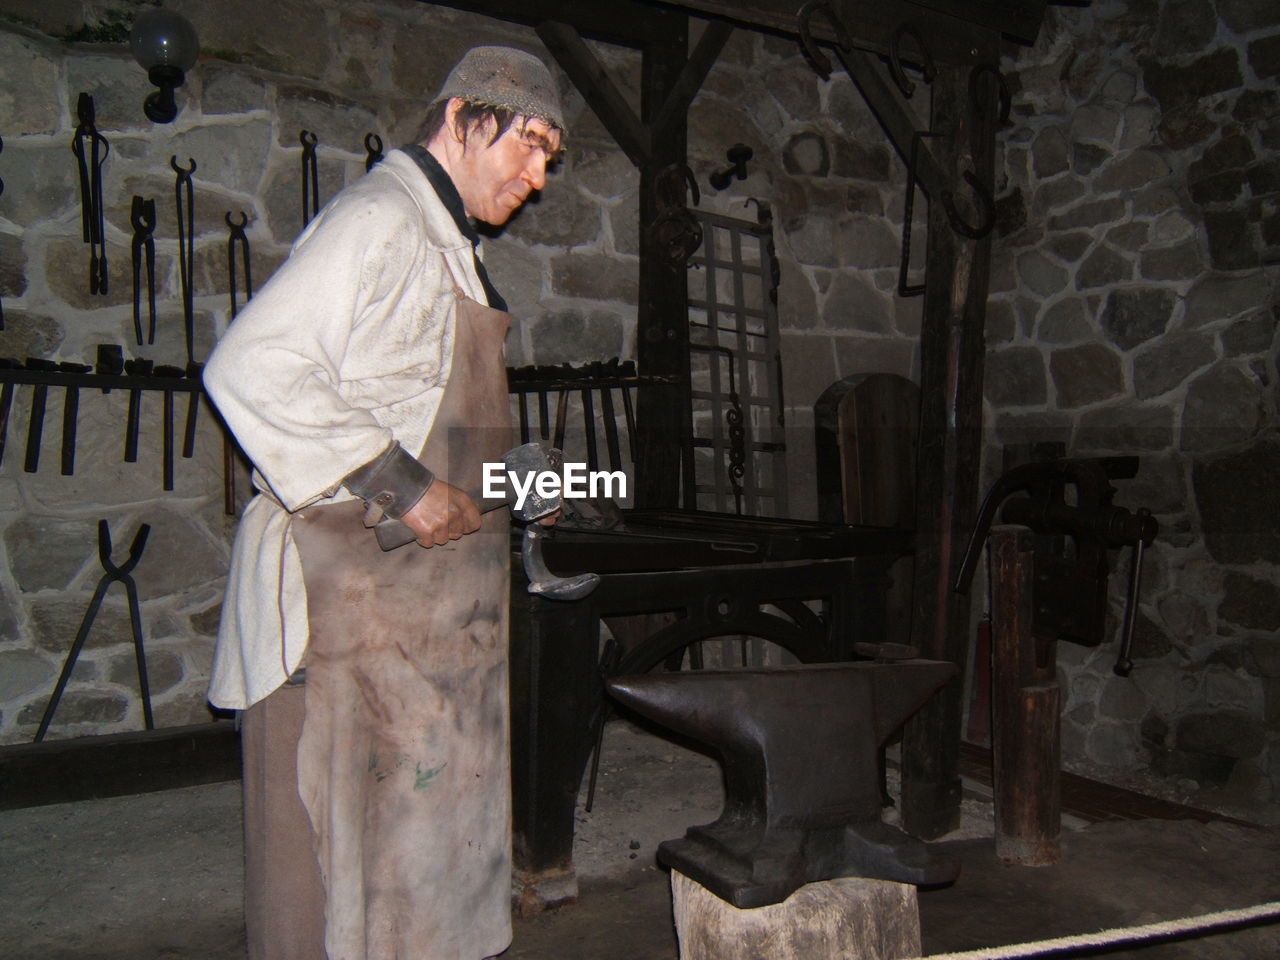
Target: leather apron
pixel 403 762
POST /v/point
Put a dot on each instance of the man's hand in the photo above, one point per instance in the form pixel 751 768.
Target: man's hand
pixel 444 513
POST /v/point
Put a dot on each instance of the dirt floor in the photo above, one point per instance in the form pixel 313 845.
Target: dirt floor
pixel 158 876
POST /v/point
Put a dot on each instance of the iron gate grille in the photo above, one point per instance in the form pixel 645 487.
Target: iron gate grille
pixel 735 375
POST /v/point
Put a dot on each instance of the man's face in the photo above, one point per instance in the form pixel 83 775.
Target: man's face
pixel 495 179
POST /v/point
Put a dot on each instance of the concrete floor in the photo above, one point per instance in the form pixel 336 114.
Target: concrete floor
pixel 158 876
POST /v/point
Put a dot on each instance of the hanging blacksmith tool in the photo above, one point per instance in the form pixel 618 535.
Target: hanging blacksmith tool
pixel 185 191
pixel 237 248
pixel 91 149
pixel 143 218
pixel 985 202
pixel 1 193
pixel 6 402
pixel 373 150
pixel 35 429
pixel 110 361
pixel 676 231
pixel 799 746
pixel 70 412
pixel 927 67
pixel 134 368
pixel 310 176
pixel 193 372
pixel 168 373
pixel 1070 593
pixel 111 574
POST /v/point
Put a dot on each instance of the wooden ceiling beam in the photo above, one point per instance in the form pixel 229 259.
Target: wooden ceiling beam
pixel 628 23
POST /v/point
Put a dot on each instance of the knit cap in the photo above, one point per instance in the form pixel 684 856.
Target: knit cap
pixel 506 77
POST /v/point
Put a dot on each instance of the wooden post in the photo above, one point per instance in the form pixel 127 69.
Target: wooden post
pixel 1026 710
pixel 852 918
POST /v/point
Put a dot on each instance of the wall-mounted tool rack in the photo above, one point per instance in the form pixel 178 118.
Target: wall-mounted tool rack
pixel 137 378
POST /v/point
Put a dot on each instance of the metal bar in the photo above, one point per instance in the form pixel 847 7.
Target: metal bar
pixel 611 429
pixel 589 428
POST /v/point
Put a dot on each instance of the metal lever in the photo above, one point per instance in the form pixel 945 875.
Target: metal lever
pixel 1124 662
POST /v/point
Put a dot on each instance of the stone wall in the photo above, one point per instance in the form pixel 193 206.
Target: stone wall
pixel 567 264
pixel 1135 311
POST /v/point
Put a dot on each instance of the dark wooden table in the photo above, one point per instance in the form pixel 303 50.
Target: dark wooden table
pixel 718 576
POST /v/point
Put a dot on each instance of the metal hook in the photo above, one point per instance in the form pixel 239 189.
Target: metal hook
pixel 817 59
pixel 373 149
pixel 182 174
pixel 958 223
pixel 310 176
pixel 1002 88
pixel 895 60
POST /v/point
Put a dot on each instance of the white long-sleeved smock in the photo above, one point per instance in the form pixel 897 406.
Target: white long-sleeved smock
pixel 346 348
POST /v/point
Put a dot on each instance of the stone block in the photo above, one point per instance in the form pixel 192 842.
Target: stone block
pixel 1136 169
pixel 1219 298
pixel 573 336
pixel 1135 315
pixel 118 88
pixel 1089 214
pixel 1137 126
pixel 797 300
pixel 55 623
pixel 1058 193
pixel 1086 374
pixel 1087 157
pixel 1223 408
pixel 287 36
pixel 1223 187
pixel 868 243
pixel 517 273
pixel 604 174
pixel 871 355
pixel 77 706
pixel 1095 123
pixel 1001 325
pixel 1125 430
pixel 1131 236
pixel 853 303
pixel 13 277
pixel 1227 733
pixel 1032 427
pixel 1246 16
pixel 1252 335
pixel 1249 602
pixel 1050 153
pixel 1264 178
pixel 1181 262
pixel 1015 377
pixel 858 160
pixel 1233 243
pixel 23 674
pixel 794 90
pixel 1184 616
pixel 1040 275
pixel 594 277
pixel 338 122
pixel 1149 641
pixel 1265 654
pixel 1011 212
pixel 164 671
pixel 29 82
pixel 1184 28
pixel 205 622
pixel 1070 246
pixel 1185 126
pixel 1113 744
pixel 46 553
pixel 814 241
pixel 225 89
pixel 1122 700
pixel 1170 361
pixel 1065 322
pixel 1175 84
pixel 1254 105
pixel 1264 56
pixel 808 367
pixel 1103 267
pixel 1231 492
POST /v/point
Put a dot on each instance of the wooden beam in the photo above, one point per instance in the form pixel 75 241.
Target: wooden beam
pixel 947 468
pixel 628 23
pixel 89 768
pixel 596 86
pixel 695 71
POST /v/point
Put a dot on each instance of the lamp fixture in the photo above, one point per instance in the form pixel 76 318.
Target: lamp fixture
pixel 738 156
pixel 165 44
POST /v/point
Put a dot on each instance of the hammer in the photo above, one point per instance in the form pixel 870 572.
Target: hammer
pixel 526 461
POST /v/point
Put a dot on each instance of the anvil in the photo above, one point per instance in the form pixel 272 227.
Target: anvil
pixel 799 746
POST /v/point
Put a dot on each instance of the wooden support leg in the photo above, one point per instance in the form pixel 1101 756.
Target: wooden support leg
pixel 1026 711
pixel 852 918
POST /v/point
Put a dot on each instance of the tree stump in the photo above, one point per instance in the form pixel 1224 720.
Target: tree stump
pixel 852 918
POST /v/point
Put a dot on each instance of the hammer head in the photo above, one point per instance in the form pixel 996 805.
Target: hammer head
pixel 526 462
